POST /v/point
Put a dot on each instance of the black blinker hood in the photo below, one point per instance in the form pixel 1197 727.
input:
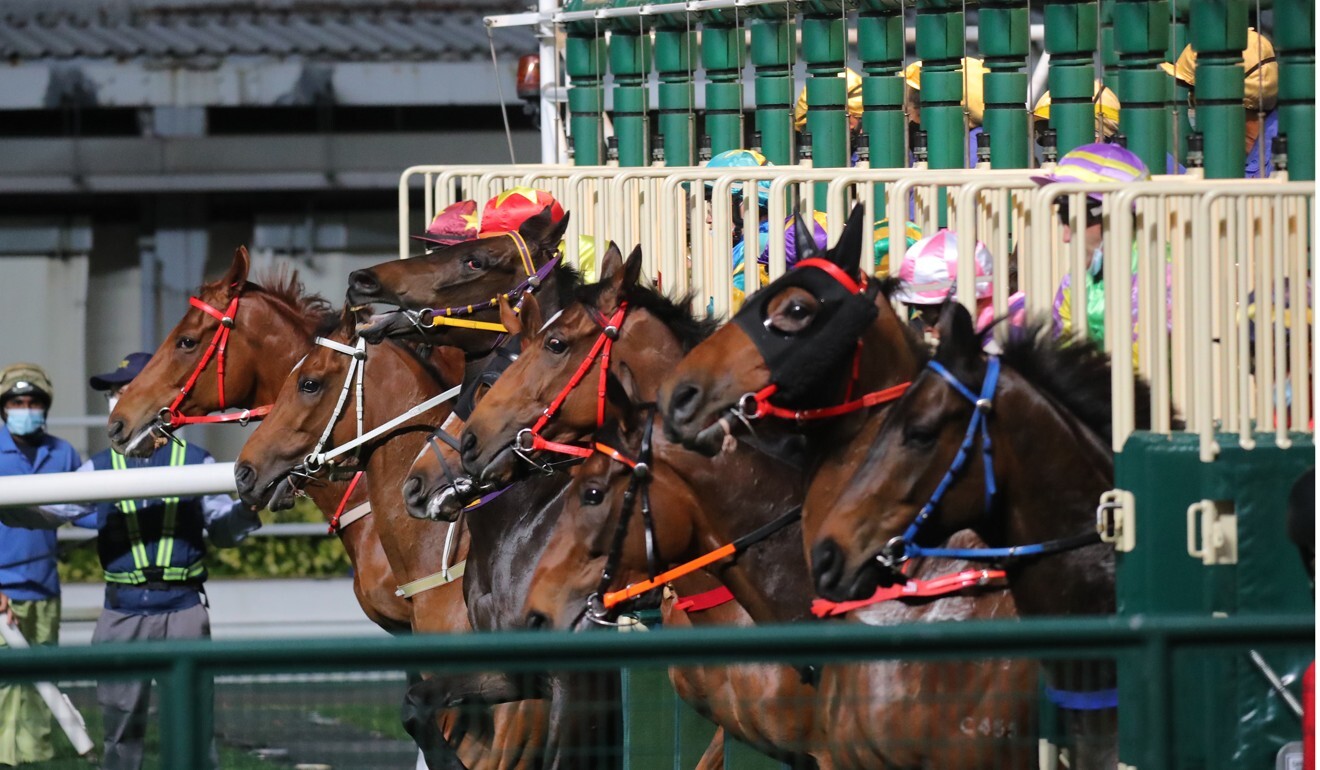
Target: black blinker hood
pixel 805 366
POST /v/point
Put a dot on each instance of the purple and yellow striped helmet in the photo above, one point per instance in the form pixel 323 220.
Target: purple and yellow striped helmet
pixel 1098 162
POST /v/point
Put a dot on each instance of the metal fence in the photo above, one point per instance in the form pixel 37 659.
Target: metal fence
pixel 187 671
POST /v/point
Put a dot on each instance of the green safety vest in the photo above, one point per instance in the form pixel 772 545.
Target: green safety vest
pixel 165 546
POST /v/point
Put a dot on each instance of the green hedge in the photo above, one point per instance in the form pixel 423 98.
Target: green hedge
pixel 257 557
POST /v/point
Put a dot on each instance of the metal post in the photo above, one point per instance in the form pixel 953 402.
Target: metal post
pixel 824 51
pixel 674 65
pixel 584 61
pixel 1004 36
pixel 940 48
pixel 1142 37
pixel 1070 40
pixel 1180 126
pixel 723 54
pixel 773 38
pixel 630 61
pixel 1219 33
pixel 880 44
pixel 181 745
pixel 1294 44
pixel 1108 53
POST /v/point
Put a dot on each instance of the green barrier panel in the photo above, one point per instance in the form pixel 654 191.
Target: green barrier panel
pixel 1225 714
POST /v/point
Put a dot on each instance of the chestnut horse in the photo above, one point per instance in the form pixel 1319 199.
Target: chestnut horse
pixel 820 348
pixel 313 401
pixel 1031 431
pixel 272 329
pixel 652 332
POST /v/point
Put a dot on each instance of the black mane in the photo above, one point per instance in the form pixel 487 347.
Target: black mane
pixel 676 315
pixel 1074 371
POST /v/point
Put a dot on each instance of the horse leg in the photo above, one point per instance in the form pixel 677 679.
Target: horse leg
pixel 713 757
pixel 520 735
pixel 421 721
pixel 586 723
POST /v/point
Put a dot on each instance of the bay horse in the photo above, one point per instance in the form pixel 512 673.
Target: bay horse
pixel 313 412
pixel 272 329
pixel 821 350
pixel 1015 447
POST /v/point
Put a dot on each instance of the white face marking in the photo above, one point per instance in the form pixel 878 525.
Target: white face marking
pixel 549 321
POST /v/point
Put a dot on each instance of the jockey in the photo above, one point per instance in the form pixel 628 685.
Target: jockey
pixel 913 235
pixel 973 99
pixel 929 272
pixel 1260 98
pixel 1107 107
pixel 1097 162
pixel 750 159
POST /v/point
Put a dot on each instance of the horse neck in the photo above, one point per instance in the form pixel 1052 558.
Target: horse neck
pixel 284 338
pixel 414 548
pixel 650 350
pixel 1050 470
pixel 888 354
pixel 771 579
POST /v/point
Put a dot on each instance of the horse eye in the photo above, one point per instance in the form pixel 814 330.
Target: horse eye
pixel 795 315
pixel 593 496
pixel 309 386
pixel 186 343
pixel 556 345
pixel 919 436
pixel 797 311
pixel 474 263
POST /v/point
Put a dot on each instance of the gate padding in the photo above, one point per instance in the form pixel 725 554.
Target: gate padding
pixel 1225 713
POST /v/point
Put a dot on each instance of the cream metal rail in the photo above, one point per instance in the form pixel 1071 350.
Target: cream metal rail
pixel 1198 247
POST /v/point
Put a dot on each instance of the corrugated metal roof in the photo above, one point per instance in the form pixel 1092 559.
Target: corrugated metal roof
pixel 179 30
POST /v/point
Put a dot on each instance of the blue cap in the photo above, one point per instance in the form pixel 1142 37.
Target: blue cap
pixel 130 367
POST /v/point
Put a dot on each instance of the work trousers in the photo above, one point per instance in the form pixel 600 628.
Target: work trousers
pixel 25 721
pixel 124 703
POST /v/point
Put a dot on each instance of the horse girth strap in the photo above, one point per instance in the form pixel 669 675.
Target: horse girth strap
pixel 443 577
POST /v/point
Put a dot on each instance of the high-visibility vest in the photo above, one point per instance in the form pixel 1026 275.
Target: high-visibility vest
pixel 145 568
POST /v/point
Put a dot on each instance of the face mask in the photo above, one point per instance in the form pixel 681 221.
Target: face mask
pixel 111 402
pixel 1191 117
pixel 1097 263
pixel 25 422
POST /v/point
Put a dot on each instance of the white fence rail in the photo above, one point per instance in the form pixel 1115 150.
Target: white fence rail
pixel 1220 259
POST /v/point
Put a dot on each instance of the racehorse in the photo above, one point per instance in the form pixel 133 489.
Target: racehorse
pixel 313 413
pixel 1015 447
pixel 821 350
pixel 272 329
pixel 446 297
pixel 651 335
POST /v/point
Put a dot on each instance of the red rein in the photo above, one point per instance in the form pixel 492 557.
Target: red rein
pixel 172 417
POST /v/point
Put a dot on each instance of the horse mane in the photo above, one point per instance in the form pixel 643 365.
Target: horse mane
pixel 1073 371
pixel 676 315
pixel 887 287
pixel 286 288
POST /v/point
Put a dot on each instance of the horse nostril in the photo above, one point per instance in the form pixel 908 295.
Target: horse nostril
pixel 468 446
pixel 537 621
pixel 245 477
pixel 826 566
pixel 115 431
pixel 363 282
pixel 412 494
pixel 683 403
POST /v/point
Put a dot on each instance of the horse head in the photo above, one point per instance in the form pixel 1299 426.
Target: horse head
pixel 462 280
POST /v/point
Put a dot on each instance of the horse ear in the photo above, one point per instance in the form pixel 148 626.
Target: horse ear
pixel 542 230
pixel 511 320
pixel 632 268
pixel 530 319
pixel 804 239
pixel 613 279
pixel 237 273
pixel 958 340
pixel 847 253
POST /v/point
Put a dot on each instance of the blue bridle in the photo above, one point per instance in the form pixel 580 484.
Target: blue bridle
pixel 904 547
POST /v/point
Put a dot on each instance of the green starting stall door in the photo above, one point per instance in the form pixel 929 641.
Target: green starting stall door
pixel 1211 538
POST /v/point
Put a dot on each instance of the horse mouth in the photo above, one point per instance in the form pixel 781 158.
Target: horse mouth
pixel 277 495
pixel 392 323
pixel 501 469
pixel 444 504
pixel 145 443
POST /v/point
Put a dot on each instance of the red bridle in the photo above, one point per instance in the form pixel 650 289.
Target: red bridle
pixel 757 405
pixel 170 416
pixel 601 349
